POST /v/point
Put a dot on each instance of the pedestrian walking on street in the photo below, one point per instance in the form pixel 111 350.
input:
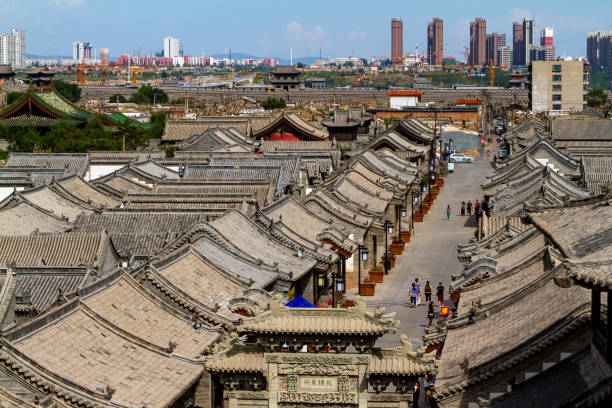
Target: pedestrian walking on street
pixel 418 287
pixel 413 296
pixel 448 213
pixel 462 208
pixel 440 293
pixel 428 291
pixel 469 208
pixel 430 312
pixel 476 206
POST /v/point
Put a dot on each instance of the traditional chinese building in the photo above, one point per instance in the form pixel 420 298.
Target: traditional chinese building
pixel 286 78
pixel 303 357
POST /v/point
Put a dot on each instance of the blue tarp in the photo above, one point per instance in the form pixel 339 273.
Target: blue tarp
pixel 299 301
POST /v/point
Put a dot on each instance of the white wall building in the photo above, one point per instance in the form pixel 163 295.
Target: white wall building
pixel 12 49
pixel 171 47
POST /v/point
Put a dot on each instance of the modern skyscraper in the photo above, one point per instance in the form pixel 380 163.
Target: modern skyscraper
pixel 12 49
pixel 104 56
pixel 81 51
pixel 478 42
pixel 599 50
pixel 546 37
pixel 503 56
pixel 171 47
pixel 494 41
pixel 518 48
pixel 435 42
pixel 397 45
pixel 528 38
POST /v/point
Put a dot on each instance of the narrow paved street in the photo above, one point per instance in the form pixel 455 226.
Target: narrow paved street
pixel 431 254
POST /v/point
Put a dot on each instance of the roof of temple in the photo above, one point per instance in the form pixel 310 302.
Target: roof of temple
pixel 260 191
pixel 42 286
pixel 509 333
pixel 25 218
pixel 184 129
pixel 87 192
pixel 582 233
pixel 354 320
pixel 101 360
pixel 254 240
pixel 293 122
pixel 597 171
pixel 402 360
pixel 138 233
pixel 576 380
pixel 54 200
pixel 72 163
pixel 214 138
pixel 54 250
pixel 298 222
pixel 126 305
pixel 539 187
pixel 413 129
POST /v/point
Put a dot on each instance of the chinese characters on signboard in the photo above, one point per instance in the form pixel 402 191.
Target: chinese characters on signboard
pixel 318 383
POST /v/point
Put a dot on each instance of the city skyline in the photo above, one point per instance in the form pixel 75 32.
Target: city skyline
pixel 202 27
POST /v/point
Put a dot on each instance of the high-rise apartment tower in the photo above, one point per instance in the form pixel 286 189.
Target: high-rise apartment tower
pixel 528 38
pixel 599 50
pixel 171 47
pixel 494 42
pixel 435 42
pixel 12 49
pixel 397 45
pixel 478 42
pixel 518 48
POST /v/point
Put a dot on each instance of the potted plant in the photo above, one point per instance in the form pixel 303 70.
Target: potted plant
pixel 397 247
pixel 405 235
pixel 418 216
pixel 424 208
pixel 366 288
pixel 391 260
pixel 376 274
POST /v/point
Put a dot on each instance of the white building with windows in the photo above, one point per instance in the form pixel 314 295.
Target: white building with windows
pixel 12 49
pixel 171 47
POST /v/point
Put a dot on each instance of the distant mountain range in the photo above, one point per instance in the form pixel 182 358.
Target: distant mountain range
pixel 36 56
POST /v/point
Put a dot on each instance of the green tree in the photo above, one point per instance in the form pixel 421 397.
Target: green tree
pixel 300 65
pixel 134 136
pixel 69 91
pixel 274 103
pixel 597 98
pixel 598 79
pixel 149 95
pixel 158 120
pixel 117 98
pixel 12 97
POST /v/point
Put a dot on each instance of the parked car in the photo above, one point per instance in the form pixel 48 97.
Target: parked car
pixel 460 158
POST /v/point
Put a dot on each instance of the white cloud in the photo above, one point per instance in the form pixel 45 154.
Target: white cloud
pixel 302 37
pixel 71 3
pixel 518 14
pixel 357 34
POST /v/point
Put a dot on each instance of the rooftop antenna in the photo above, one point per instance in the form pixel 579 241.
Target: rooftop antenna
pixel 230 62
pixel 291 56
pixel 320 51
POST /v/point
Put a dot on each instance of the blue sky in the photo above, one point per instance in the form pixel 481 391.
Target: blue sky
pixel 272 27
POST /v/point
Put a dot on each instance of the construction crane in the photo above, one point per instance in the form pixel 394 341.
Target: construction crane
pixel 492 72
pixel 82 71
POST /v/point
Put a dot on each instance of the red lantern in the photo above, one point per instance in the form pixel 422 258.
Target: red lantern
pixel 444 311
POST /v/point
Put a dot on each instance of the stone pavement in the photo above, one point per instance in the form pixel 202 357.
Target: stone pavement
pixel 431 254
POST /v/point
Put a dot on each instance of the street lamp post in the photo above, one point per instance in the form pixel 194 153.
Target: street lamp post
pixel 388 229
pixel 362 255
pixel 414 196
